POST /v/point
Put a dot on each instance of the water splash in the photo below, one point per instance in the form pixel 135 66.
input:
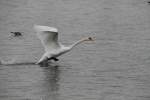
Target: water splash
pixel 7 60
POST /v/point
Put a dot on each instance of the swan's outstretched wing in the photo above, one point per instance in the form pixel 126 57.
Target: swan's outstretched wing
pixel 48 37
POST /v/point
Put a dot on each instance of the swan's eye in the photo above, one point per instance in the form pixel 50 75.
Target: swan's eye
pixel 90 38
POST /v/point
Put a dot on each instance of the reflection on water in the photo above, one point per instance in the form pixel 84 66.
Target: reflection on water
pixel 21 82
pixel 51 82
pixel 52 78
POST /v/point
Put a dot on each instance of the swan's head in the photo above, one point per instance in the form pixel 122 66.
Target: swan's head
pixel 89 39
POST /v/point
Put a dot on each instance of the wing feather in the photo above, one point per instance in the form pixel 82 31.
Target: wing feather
pixel 48 37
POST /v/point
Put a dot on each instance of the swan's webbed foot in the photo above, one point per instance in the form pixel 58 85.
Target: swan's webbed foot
pixel 53 58
pixel 45 62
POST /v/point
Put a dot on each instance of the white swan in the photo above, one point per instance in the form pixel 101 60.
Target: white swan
pixel 53 48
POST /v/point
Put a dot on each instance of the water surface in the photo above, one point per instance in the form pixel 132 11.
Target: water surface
pixel 114 67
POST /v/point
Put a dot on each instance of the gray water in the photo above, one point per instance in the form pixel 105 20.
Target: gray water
pixel 114 67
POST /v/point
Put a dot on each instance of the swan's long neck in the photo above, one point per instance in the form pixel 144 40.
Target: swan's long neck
pixel 76 43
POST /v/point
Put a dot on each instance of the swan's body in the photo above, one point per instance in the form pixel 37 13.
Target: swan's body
pixel 53 48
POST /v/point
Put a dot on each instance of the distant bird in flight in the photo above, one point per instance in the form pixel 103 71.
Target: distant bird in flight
pixel 16 34
pixel 53 48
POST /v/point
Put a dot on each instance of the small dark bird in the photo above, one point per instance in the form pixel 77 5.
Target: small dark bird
pixel 16 34
pixel 148 2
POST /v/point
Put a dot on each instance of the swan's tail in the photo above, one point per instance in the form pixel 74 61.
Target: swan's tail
pixel 43 58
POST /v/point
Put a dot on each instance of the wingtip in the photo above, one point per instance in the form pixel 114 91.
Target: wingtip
pixel 44 28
